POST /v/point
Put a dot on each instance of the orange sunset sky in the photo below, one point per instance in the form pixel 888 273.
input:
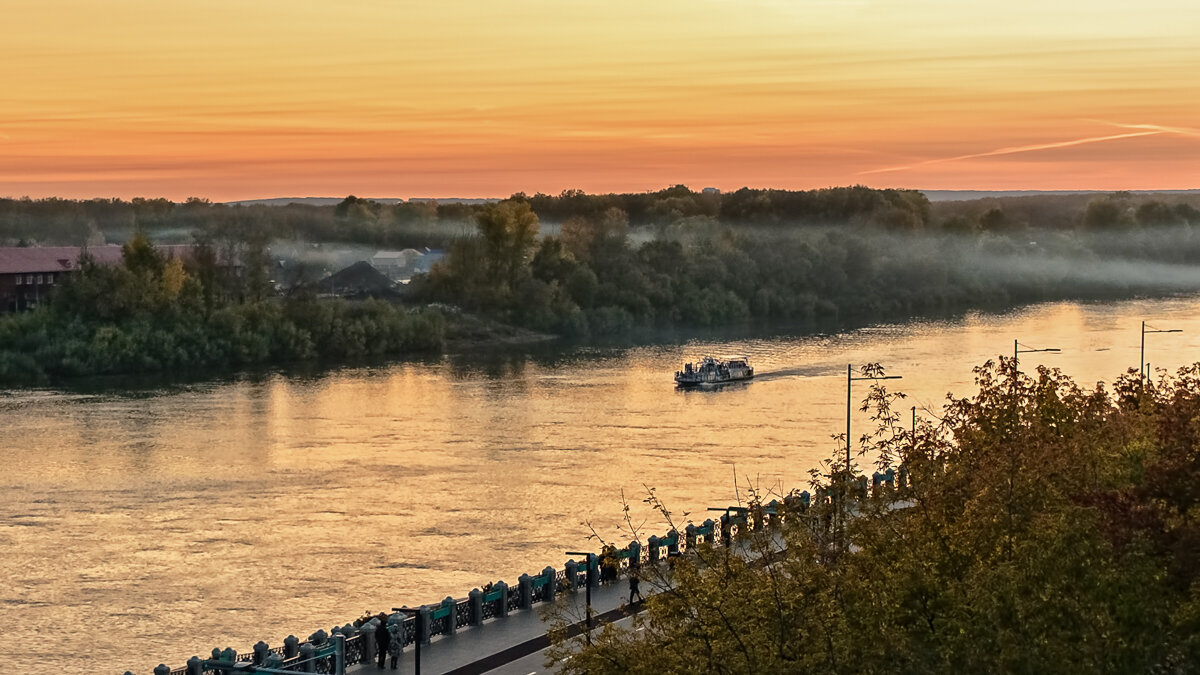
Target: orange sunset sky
pixel 237 99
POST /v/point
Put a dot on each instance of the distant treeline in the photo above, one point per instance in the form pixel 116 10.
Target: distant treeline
pixel 593 278
pixel 1082 212
pixel 69 222
pixel 580 264
pixel 429 223
pixel 152 313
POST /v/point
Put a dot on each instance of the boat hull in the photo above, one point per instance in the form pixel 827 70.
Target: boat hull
pixel 709 380
pixel 711 371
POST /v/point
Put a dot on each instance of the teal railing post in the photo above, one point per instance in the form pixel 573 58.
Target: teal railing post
pixel 572 570
pixel 450 607
pixel 476 597
pixel 291 646
pixel 548 591
pixel 307 654
pixel 503 588
pixel 525 588
pixel 423 621
pixel 339 654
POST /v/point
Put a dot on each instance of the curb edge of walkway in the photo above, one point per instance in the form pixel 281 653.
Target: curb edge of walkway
pixel 537 644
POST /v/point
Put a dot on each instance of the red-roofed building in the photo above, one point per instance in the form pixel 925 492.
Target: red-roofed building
pixel 28 274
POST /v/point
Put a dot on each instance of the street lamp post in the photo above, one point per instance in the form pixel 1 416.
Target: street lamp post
pixel 1142 360
pixel 416 615
pixel 1028 350
pixel 588 595
pixel 850 378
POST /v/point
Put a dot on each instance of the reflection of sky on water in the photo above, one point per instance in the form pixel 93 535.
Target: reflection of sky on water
pixel 184 516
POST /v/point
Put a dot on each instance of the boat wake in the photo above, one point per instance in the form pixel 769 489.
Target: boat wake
pixel 798 371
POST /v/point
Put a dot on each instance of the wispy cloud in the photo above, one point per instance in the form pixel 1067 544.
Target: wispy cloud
pixel 1150 130
pixel 1179 131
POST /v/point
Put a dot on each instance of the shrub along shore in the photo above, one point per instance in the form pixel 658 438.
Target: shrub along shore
pixel 153 314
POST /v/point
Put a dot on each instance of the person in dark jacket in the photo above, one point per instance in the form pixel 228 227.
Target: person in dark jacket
pixel 383 642
pixel 634 577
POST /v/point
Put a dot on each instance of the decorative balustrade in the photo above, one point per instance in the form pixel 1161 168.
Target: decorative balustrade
pixel 408 633
pixel 540 589
pixel 462 613
pixel 318 653
pixel 356 651
pixel 439 621
pixel 514 601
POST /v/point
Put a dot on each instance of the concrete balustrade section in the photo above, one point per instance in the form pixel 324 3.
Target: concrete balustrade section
pixel 350 644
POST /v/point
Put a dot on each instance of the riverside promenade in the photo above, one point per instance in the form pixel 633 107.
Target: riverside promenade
pixel 501 627
pixel 496 644
pixel 521 638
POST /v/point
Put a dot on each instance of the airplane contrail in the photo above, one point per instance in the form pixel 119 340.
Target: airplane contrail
pixel 1180 131
pixel 1024 148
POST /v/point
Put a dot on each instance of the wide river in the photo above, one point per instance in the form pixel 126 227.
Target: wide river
pixel 145 525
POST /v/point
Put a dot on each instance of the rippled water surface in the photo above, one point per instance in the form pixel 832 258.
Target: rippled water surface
pixel 141 526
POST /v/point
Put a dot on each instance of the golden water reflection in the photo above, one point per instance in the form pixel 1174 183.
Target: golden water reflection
pixel 220 513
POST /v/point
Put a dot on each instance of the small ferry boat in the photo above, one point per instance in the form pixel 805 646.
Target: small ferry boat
pixel 714 371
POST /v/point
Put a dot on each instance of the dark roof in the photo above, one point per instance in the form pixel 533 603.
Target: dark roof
pixel 360 277
pixel 35 259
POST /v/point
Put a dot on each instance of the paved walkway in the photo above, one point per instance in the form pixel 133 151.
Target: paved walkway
pixel 514 641
pixel 479 649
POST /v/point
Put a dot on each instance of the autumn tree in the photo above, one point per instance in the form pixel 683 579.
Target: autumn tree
pixel 1046 528
pixel 509 231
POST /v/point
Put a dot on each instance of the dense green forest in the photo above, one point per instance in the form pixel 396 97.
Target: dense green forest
pixel 1047 528
pixel 598 276
pixel 152 313
pixel 581 264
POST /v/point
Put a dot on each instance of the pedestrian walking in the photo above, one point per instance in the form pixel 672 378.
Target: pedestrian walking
pixel 383 642
pixel 633 584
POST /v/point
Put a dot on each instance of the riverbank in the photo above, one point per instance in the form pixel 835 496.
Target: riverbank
pixel 467 332
pixel 237 506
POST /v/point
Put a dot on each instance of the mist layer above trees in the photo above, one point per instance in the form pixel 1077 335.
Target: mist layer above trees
pixel 582 264
pixel 600 274
pixel 429 223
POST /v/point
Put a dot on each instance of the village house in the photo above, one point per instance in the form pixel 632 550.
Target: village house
pixel 28 274
pixel 397 265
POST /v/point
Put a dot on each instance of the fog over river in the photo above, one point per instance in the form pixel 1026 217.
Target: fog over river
pixel 141 526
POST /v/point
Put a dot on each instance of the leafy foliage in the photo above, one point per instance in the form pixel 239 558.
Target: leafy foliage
pixel 152 314
pixel 597 277
pixel 1047 528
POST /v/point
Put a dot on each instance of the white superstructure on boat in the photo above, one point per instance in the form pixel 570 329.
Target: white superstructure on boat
pixel 714 371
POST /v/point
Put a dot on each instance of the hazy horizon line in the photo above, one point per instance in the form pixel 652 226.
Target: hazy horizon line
pixel 1047 191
